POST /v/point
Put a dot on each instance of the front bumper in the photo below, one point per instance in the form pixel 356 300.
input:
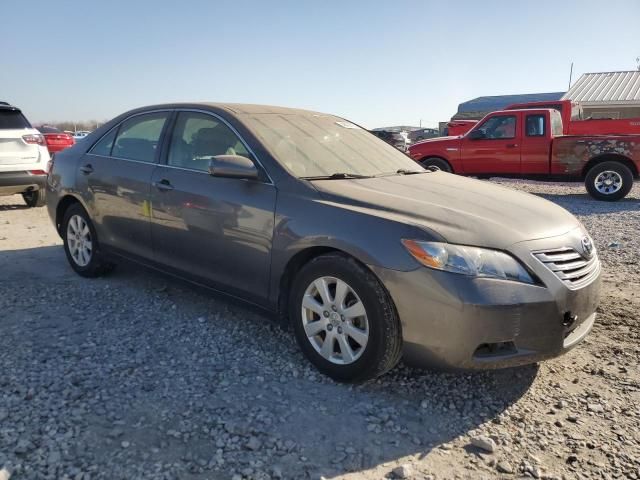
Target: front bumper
pixel 19 182
pixel 456 322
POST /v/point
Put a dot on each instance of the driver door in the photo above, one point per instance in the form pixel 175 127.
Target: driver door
pixel 497 151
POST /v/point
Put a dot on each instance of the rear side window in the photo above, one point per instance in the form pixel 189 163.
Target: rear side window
pixel 13 120
pixel 138 137
pixel 536 126
pixel 104 145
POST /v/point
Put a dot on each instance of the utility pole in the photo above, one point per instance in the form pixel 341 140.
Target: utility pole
pixel 570 76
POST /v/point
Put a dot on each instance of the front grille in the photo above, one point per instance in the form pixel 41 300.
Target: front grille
pixel 569 266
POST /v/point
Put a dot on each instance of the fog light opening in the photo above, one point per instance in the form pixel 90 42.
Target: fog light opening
pixel 495 349
pixel 569 319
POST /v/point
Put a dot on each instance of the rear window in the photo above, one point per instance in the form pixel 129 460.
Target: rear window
pixel 12 120
pixel 44 129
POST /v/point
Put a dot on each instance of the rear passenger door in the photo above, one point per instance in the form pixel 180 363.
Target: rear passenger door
pixel 536 144
pixel 115 178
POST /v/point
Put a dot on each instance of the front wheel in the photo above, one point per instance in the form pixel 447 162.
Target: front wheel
pixel 609 181
pixel 34 198
pixel 434 163
pixel 344 319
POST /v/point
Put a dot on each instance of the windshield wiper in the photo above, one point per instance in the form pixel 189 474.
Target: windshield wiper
pixel 336 176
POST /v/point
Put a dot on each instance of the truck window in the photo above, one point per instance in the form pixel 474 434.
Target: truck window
pixel 556 124
pixel 500 126
pixel 535 126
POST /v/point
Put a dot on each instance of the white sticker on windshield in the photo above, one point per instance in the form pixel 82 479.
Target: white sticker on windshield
pixel 347 125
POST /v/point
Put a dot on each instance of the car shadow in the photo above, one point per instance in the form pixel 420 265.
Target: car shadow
pixel 5 208
pixel 584 204
pixel 254 384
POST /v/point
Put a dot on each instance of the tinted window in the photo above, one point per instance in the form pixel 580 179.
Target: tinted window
pixel 535 126
pixel 500 126
pixel 12 119
pixel 103 147
pixel 198 137
pixel 139 136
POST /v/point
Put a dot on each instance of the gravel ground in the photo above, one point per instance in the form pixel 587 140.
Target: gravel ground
pixel 138 375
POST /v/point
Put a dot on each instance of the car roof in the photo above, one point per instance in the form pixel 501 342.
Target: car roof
pixel 237 108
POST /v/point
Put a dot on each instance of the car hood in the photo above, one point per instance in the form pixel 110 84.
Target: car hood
pixel 462 210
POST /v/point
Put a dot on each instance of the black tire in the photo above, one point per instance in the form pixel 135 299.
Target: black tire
pixel 97 264
pixel 34 198
pixel 436 164
pixel 624 174
pixel 384 346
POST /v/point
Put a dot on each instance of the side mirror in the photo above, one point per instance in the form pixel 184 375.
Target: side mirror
pixel 477 134
pixel 232 166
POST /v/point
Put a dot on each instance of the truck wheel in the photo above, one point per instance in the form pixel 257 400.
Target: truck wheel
pixel 609 181
pixel 34 198
pixel 434 163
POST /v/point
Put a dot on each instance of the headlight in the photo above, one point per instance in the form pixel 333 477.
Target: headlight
pixel 472 261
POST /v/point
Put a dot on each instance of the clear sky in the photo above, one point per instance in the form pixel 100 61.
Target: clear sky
pixel 376 62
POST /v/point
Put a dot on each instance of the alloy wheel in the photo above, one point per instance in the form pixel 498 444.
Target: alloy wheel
pixel 79 240
pixel 335 320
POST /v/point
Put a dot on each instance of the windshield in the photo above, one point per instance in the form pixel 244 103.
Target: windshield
pixel 315 145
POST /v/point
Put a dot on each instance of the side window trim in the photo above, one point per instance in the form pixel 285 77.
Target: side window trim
pixel 115 128
pixel 169 134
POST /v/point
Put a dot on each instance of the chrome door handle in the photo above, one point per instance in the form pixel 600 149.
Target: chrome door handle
pixel 86 169
pixel 512 145
pixel 163 185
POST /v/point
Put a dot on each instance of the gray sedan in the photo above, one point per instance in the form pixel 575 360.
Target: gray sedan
pixel 306 215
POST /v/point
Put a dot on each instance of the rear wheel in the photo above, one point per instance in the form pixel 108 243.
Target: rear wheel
pixel 344 319
pixel 81 244
pixel 434 163
pixel 34 198
pixel 609 181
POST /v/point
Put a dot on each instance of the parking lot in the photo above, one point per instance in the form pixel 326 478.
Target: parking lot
pixel 138 375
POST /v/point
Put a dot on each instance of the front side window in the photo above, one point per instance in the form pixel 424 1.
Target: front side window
pixel 500 126
pixel 198 137
pixel 139 136
pixel 535 126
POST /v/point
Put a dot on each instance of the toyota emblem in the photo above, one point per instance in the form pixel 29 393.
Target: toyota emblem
pixel 587 247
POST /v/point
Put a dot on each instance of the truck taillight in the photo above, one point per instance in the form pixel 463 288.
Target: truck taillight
pixel 34 139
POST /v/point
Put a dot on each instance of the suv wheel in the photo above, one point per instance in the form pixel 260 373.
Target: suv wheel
pixel 344 319
pixel 81 243
pixel 34 198
pixel 609 181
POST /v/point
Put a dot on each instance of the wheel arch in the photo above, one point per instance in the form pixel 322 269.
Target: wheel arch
pixel 610 157
pixel 62 206
pixel 294 264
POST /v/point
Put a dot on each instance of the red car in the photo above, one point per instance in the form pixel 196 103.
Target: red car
pixel 56 140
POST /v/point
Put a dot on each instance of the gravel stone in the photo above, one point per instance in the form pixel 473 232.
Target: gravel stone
pixel 190 380
pixel 484 443
pixel 403 471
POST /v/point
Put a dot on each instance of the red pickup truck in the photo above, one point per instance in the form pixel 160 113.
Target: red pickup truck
pixel 530 144
pixel 573 121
